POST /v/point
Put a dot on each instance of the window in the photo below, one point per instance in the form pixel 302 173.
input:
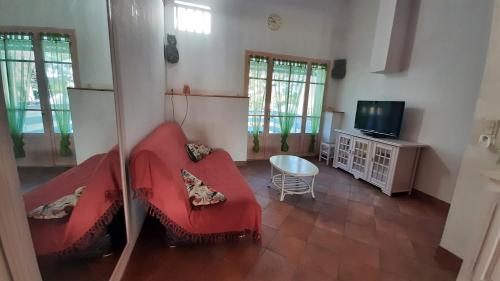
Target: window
pixel 316 93
pixel 192 17
pixel 29 100
pixel 59 73
pixel 20 86
pixel 257 81
pixel 295 96
pixel 287 96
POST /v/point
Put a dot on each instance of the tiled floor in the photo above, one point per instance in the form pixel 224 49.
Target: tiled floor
pixel 350 232
pixel 31 177
pixel 96 269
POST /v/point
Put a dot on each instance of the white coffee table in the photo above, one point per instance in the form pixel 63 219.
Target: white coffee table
pixel 296 175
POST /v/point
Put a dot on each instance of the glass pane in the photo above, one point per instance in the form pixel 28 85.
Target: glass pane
pixel 56 48
pixel 257 93
pixel 258 68
pixel 60 77
pixel 309 124
pixel 33 122
pixel 275 126
pixel 59 73
pixel 281 70
pixel 318 73
pixel 255 124
pixel 63 117
pixel 18 74
pixel 287 96
pixel 315 100
pixel 193 20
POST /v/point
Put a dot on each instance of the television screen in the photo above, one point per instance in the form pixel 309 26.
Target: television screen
pixel 381 118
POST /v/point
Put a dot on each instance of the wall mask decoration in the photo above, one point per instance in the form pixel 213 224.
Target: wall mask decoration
pixel 339 69
pixel 171 52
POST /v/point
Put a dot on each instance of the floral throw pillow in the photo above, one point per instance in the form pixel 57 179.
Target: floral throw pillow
pixel 197 151
pixel 58 209
pixel 199 193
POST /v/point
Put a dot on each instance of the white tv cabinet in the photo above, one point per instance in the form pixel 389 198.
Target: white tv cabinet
pixel 389 164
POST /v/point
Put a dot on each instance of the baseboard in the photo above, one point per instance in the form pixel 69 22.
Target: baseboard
pixel 448 260
pixel 433 200
pixel 240 163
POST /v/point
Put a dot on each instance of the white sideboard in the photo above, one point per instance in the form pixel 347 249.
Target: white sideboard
pixel 389 164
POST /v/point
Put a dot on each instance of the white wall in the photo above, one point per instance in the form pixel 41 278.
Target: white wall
pixel 4 267
pixel 440 86
pixel 213 121
pixel 215 62
pixel 467 209
pixel 87 18
pixel 139 69
pixel 94 122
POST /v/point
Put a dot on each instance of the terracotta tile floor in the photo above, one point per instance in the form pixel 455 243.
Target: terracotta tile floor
pixel 350 232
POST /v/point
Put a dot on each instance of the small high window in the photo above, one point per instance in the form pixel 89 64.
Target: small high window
pixel 192 17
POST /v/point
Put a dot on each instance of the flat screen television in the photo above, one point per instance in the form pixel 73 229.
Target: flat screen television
pixel 380 118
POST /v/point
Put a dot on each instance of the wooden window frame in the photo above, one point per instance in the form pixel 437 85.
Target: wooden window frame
pixel 40 66
pixel 271 58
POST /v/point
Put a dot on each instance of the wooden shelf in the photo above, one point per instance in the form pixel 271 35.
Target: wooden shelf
pixel 91 89
pixel 207 96
pixel 334 111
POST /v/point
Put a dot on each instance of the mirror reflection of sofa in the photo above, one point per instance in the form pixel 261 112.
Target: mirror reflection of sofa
pixel 85 232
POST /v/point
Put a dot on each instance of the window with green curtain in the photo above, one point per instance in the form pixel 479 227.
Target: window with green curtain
pixel 315 101
pixel 257 80
pixel 17 67
pixel 287 98
pixel 59 73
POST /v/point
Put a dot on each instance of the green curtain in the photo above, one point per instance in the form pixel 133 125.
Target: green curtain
pixel 316 93
pixel 257 94
pixel 17 66
pixel 58 70
pixel 288 90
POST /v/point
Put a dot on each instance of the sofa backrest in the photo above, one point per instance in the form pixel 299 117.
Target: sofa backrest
pixel 155 167
pixel 167 142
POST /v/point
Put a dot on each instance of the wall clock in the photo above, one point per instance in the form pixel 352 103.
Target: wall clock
pixel 274 22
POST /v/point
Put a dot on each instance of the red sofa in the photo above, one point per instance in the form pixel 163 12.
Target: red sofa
pixel 96 208
pixel 155 169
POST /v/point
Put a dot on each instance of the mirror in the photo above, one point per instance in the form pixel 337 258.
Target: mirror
pixel 57 84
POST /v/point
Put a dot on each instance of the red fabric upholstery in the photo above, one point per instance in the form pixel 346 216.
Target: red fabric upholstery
pixel 94 210
pixel 155 169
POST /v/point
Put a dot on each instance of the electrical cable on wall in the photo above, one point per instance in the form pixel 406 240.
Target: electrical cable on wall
pixel 173 107
pixel 172 102
pixel 187 109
